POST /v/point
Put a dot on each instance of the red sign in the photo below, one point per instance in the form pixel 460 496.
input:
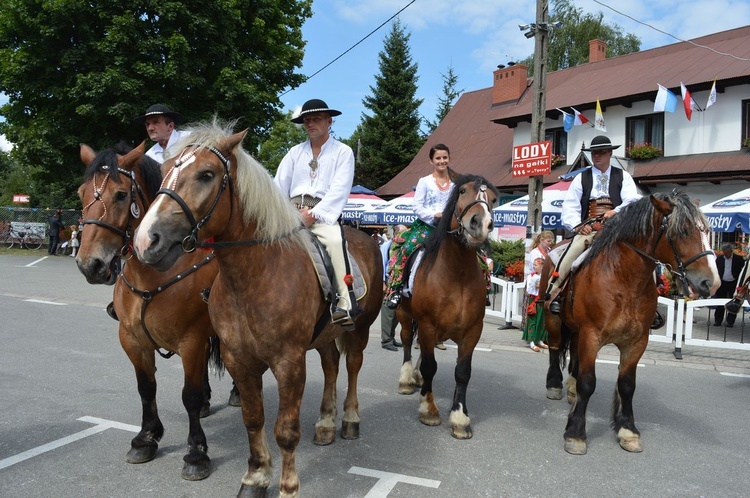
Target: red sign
pixel 20 198
pixel 532 159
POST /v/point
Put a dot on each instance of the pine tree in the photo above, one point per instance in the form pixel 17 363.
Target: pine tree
pixel 390 137
pixel 446 100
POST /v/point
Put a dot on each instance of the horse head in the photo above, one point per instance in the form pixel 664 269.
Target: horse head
pixel 190 203
pixel 469 209
pixel 117 188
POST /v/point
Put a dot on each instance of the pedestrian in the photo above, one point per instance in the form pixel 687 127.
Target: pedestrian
pixel 388 321
pixel 601 190
pixel 730 266
pixel 317 175
pixel 74 243
pixel 55 227
pixel 160 122
pixel 534 331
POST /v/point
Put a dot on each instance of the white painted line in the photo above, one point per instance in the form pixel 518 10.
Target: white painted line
pixel 613 362
pixel 37 261
pixel 101 425
pixel 44 302
pixel 388 480
pixel 728 374
pixel 475 349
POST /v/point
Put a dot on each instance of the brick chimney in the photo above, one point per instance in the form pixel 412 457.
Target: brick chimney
pixel 597 50
pixel 509 83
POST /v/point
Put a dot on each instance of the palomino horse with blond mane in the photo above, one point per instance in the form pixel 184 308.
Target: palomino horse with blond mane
pixel 266 304
pixel 116 191
pixel 612 299
pixel 448 299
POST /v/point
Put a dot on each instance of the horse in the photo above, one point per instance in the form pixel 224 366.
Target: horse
pixel 267 304
pixel 612 299
pixel 448 299
pixel 116 190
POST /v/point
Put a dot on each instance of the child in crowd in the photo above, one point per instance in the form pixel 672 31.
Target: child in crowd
pixel 534 331
pixel 74 243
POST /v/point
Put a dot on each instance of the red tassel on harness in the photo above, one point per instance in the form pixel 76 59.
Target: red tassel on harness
pixel 555 274
pixel 349 279
pixel 209 240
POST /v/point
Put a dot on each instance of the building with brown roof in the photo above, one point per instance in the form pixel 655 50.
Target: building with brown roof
pixel 703 155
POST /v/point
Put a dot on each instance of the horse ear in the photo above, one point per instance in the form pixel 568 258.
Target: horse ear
pixel 129 160
pixel 662 206
pixel 228 144
pixel 87 154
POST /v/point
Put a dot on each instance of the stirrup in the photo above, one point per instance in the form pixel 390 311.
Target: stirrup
pixel 393 301
pixel 658 321
pixel 555 307
pixel 733 306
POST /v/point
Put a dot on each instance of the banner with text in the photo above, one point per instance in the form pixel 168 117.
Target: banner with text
pixel 532 159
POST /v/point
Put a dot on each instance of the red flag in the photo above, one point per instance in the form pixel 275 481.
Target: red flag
pixel 687 101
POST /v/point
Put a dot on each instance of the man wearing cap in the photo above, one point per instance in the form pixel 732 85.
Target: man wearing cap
pixel 160 124
pixel 317 175
pixel 601 190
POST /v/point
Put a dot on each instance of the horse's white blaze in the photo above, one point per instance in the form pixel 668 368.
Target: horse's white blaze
pixel 142 240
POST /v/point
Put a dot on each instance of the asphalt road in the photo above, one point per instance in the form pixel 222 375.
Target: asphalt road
pixel 61 362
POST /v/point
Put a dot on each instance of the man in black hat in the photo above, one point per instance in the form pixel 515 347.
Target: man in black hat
pixel 160 124
pixel 602 190
pixel 317 175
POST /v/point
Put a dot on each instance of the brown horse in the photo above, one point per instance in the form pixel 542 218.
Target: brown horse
pixel 266 304
pixel 448 299
pixel 115 193
pixel 612 299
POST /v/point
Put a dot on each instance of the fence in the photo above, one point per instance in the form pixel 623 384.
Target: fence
pixel 35 217
pixel 684 319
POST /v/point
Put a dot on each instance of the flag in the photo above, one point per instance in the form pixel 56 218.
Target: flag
pixel 687 101
pixel 599 119
pixel 666 101
pixel 712 96
pixel 567 121
pixel 580 118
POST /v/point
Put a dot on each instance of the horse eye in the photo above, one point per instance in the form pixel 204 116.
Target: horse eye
pixel 206 176
pixel 463 190
pixel 121 196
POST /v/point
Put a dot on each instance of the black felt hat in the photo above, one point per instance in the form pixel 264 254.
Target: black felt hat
pixel 161 109
pixel 601 142
pixel 313 106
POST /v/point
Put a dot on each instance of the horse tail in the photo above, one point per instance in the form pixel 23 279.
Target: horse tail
pixel 342 343
pixel 215 362
pixel 565 335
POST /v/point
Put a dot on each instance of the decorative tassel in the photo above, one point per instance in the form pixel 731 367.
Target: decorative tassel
pixel 349 279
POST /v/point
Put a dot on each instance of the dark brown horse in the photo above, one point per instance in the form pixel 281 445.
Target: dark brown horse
pixel 448 299
pixel 612 299
pixel 115 194
pixel 266 304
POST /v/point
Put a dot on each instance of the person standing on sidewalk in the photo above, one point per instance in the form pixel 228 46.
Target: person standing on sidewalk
pixel 55 226
pixel 388 321
pixel 729 266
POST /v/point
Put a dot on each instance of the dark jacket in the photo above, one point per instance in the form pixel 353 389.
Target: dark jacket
pixel 737 264
pixel 55 225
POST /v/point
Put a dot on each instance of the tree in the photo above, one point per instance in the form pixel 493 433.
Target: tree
pixel 283 136
pixel 446 100
pixel 569 44
pixel 390 137
pixel 82 71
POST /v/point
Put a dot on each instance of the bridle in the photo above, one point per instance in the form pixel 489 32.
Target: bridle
pixel 135 211
pixel 480 198
pixel 681 270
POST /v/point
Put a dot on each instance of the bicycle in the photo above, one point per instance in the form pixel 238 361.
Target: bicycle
pixel 27 238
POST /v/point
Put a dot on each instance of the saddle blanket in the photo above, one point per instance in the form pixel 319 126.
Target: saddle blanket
pixel 319 263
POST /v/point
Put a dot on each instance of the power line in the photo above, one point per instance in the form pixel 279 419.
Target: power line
pixel 670 34
pixel 353 46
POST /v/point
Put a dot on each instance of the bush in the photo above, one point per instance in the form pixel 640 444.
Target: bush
pixel 505 253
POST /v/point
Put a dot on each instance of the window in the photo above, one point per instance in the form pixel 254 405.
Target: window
pixel 559 145
pixel 645 129
pixel 745 121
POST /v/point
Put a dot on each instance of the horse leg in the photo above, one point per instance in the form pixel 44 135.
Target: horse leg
pixel 572 369
pixel 575 431
pixel 196 464
pixel 459 417
pixel 143 446
pixel 623 421
pixel 556 357
pixel 206 404
pixel 407 382
pixel 325 427
pixel 354 359
pixel 234 395
pixel 290 374
pixel 428 410
pixel 256 480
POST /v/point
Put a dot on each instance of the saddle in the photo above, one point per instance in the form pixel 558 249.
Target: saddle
pixel 324 269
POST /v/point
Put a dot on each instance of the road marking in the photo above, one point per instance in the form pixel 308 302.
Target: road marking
pixel 475 349
pixel 45 302
pixel 37 261
pixel 101 425
pixel 388 480
pixel 613 362
pixel 728 374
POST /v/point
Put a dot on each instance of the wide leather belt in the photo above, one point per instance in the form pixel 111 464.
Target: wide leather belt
pixel 600 206
pixel 301 201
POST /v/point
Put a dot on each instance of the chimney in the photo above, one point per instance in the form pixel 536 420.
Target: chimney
pixel 509 83
pixel 597 50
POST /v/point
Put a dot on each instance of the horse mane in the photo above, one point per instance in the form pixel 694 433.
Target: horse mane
pixel 106 162
pixel 262 202
pixel 636 221
pixel 443 228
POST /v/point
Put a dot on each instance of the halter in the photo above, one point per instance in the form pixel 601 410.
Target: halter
pixel 481 198
pixel 681 270
pixel 135 211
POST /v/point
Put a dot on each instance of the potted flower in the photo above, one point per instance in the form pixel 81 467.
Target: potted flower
pixel 746 143
pixel 643 151
pixel 558 160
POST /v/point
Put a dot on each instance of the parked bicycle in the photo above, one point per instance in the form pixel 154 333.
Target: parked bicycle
pixel 26 237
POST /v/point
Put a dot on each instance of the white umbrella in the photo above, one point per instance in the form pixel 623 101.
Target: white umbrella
pixel 729 213
pixel 357 204
pixel 515 213
pixel 399 211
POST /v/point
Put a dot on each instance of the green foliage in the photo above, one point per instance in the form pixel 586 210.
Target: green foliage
pixel 569 45
pixel 78 71
pixel 446 100
pixel 283 136
pixel 390 137
pixel 505 253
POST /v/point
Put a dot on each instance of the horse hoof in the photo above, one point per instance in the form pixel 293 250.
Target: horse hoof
pixel 205 411
pixel 349 430
pixel 141 454
pixel 324 436
pixel 629 441
pixel 252 492
pixel 234 398
pixel 427 419
pixel 554 393
pixel 196 471
pixel 406 389
pixel 575 446
pixel 462 432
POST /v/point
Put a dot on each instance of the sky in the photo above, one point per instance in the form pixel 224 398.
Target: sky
pixel 471 36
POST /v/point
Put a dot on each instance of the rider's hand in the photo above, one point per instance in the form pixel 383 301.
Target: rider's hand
pixel 585 230
pixel 307 218
pixel 609 214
